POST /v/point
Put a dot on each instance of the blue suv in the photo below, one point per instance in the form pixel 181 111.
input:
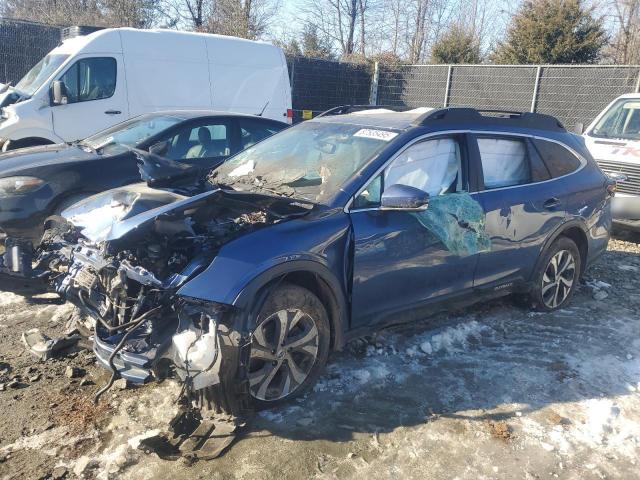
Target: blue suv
pixel 324 232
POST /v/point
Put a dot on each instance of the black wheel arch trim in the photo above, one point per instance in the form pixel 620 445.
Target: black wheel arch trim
pixel 562 228
pixel 254 294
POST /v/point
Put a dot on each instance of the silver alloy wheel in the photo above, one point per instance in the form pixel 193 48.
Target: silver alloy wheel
pixel 284 349
pixel 558 278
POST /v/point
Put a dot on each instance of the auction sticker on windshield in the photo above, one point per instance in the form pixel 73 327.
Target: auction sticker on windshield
pixel 383 135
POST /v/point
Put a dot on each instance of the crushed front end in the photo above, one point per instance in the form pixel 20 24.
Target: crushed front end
pixel 144 329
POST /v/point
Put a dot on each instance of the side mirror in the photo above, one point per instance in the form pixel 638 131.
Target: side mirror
pixel 578 128
pixel 404 197
pixel 159 148
pixel 58 93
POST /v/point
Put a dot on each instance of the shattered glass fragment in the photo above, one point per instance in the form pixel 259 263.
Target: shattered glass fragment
pixel 458 222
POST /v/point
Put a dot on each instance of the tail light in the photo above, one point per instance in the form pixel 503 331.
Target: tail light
pixel 290 115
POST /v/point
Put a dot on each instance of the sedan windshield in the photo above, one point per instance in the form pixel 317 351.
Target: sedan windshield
pixel 310 161
pixel 621 121
pixel 39 74
pixel 131 133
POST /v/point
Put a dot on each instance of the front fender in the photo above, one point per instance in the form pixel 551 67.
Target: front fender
pixel 248 292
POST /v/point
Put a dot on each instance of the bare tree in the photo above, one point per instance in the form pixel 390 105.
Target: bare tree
pixel 241 18
pixel 625 44
pixel 335 19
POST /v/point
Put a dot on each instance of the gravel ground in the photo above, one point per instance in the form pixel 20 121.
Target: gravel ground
pixel 493 391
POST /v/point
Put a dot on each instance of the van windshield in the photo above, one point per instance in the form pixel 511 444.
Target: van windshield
pixel 39 74
pixel 310 161
pixel 131 133
pixel 621 121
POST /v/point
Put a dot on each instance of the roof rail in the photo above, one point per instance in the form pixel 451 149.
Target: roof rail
pixel 500 117
pixel 344 109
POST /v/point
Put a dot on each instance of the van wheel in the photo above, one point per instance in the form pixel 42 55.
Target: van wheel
pixel 556 279
pixel 289 346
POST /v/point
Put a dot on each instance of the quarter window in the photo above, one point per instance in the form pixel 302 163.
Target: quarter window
pixel 504 162
pixel 90 79
pixel 557 158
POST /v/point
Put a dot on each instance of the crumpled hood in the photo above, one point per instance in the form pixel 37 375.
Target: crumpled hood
pixel 114 214
pixel 99 214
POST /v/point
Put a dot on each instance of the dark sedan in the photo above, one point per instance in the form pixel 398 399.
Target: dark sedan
pixel 38 182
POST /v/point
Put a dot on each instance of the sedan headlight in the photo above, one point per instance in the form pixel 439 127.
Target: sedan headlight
pixel 10 186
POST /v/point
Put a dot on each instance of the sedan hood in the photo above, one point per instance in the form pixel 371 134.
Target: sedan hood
pixel 117 213
pixel 16 161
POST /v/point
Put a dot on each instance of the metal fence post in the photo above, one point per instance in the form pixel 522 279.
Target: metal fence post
pixel 534 100
pixel 373 96
pixel 447 86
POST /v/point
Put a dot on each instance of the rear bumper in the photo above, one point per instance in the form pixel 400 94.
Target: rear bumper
pixel 625 209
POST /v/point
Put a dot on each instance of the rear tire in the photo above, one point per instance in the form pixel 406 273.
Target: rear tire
pixel 289 346
pixel 556 278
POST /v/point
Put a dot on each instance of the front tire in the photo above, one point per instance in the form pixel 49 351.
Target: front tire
pixel 556 279
pixel 289 346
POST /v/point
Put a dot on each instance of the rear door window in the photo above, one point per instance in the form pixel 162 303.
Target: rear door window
pixel 505 162
pixel 559 160
pixel 205 139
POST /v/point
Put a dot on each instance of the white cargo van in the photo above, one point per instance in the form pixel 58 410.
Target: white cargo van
pixel 613 139
pixel 92 82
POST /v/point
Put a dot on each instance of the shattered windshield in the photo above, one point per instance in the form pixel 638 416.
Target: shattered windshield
pixel 39 74
pixel 131 133
pixel 622 121
pixel 310 161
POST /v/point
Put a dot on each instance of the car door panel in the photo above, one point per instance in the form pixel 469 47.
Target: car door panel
pixel 79 119
pixel 404 259
pixel 518 219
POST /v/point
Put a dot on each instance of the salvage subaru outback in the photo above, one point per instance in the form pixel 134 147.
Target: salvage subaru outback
pixel 324 232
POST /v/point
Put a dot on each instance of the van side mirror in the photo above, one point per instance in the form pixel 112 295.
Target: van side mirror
pixel 578 128
pixel 404 198
pixel 159 148
pixel 59 93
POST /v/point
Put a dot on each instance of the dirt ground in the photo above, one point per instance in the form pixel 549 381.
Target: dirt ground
pixel 493 391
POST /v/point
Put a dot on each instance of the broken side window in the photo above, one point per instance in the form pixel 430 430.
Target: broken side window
pixel 432 166
pixel 504 162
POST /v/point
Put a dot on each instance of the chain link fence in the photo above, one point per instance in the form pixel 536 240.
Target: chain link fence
pixel 574 94
pixel 317 85
pixel 22 45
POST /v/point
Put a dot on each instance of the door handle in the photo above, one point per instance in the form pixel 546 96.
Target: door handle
pixel 113 112
pixel 551 203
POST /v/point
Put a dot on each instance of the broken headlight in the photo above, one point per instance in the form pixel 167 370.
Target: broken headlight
pixel 11 186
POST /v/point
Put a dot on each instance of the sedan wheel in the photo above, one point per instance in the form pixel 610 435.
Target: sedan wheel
pixel 283 351
pixel 558 279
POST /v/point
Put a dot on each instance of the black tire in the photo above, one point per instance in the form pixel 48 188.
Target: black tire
pixel 539 297
pixel 290 299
